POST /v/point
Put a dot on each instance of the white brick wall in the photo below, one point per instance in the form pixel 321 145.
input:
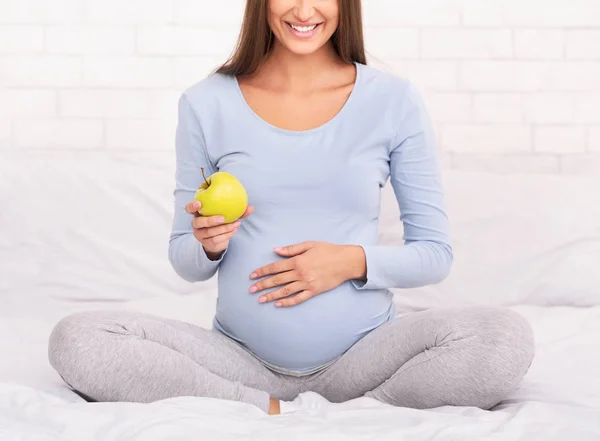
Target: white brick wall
pixel 127 71
pixel 560 139
pixel 498 107
pixel 195 12
pixel 504 76
pixel 449 106
pixel 587 108
pixel 516 163
pixel 549 107
pixel 393 42
pixel 512 85
pixel 18 39
pixel 27 103
pixel 138 134
pixel 583 45
pixel 41 11
pixel 129 12
pixel 539 44
pixel 5 133
pixel 34 71
pixel 90 39
pixel 467 44
pixel 486 138
pixel 413 13
pixel 60 133
pixel 594 138
pixel 581 76
pixel 426 74
pixel 117 103
pixel 178 40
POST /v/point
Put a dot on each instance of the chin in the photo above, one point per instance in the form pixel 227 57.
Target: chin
pixel 303 49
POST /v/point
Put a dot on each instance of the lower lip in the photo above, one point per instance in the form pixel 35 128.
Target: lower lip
pixel 305 35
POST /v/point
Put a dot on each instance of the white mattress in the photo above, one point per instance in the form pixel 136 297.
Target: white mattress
pixel 98 239
pixel 559 399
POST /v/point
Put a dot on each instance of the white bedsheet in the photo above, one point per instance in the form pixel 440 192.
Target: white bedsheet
pixel 98 239
pixel 558 401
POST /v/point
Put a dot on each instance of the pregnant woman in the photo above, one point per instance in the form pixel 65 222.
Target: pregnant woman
pixel 305 314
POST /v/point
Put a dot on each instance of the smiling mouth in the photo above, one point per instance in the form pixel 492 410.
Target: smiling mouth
pixel 304 29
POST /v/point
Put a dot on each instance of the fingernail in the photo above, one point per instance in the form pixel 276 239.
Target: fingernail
pixel 253 276
pixel 196 205
pixel 253 289
pixel 262 300
pixel 237 224
pixel 221 219
pixel 277 304
pixel 277 248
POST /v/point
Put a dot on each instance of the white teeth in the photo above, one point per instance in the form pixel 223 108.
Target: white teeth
pixel 303 28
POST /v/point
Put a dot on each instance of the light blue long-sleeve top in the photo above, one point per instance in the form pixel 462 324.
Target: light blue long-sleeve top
pixel 321 184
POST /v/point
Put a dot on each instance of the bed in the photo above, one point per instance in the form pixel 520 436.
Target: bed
pixel 89 230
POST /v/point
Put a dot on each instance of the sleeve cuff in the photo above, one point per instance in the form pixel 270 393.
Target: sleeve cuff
pixel 373 257
pixel 204 261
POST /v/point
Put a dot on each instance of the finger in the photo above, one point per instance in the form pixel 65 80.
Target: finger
pixel 273 281
pixel 273 268
pixel 295 300
pixel 294 250
pixel 206 233
pixel 206 222
pixel 282 292
pixel 217 240
pixel 193 207
pixel 248 212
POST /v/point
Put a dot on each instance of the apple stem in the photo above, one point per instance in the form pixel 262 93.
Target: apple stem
pixel 207 184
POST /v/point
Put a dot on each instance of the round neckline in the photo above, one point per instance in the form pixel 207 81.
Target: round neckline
pixel 323 126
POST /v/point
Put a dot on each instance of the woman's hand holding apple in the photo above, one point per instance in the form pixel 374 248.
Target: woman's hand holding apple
pixel 211 231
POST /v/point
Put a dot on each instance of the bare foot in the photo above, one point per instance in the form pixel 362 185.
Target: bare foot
pixel 274 407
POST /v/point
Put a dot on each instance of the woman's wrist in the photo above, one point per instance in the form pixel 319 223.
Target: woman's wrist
pixel 355 262
pixel 212 255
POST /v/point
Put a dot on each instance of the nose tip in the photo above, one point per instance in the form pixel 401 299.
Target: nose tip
pixel 304 10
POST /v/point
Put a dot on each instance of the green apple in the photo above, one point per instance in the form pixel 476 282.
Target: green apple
pixel 222 195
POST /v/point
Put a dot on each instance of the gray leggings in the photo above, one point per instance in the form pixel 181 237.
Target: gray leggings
pixel 471 356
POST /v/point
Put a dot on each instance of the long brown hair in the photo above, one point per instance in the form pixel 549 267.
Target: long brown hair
pixel 256 39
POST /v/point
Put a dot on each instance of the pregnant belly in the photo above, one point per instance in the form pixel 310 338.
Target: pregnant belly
pixel 301 337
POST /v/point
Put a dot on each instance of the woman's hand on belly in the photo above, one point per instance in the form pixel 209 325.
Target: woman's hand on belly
pixel 312 268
